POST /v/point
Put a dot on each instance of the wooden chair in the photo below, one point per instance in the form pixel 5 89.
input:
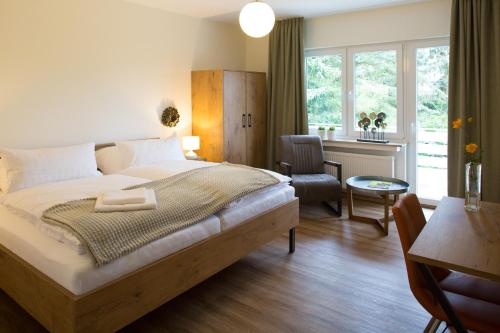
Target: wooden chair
pixel 301 158
pixel 475 301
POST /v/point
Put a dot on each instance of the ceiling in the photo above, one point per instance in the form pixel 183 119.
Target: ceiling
pixel 227 10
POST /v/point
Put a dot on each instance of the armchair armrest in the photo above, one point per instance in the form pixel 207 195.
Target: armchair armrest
pixel 339 169
pixel 335 164
pixel 285 168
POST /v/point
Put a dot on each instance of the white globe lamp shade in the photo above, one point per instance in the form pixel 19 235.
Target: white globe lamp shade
pixel 257 19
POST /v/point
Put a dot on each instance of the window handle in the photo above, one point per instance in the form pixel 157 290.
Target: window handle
pixel 243 120
pixel 249 120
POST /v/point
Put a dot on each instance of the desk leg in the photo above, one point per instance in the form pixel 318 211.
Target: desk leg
pixel 350 202
pixel 291 240
pixel 441 297
pixel 386 213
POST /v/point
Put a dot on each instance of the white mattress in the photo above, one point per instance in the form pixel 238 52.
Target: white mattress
pixel 78 273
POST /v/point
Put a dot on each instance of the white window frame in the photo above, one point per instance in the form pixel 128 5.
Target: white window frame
pixel 411 106
pixel 400 109
pixel 326 52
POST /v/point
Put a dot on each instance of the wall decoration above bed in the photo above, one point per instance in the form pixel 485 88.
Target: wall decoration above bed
pixel 170 117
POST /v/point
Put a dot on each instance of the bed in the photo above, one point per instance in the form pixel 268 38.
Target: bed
pixel 66 293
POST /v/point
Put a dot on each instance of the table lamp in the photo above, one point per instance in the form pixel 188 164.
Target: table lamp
pixel 191 143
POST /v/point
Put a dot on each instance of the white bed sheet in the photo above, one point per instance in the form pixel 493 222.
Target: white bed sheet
pixel 78 273
pixel 164 169
pixel 35 200
pixel 171 168
pixel 32 202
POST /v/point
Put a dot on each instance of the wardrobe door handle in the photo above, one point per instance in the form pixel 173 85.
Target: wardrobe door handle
pixel 249 120
pixel 243 120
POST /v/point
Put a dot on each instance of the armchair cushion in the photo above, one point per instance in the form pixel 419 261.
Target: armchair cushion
pixel 316 187
pixel 303 152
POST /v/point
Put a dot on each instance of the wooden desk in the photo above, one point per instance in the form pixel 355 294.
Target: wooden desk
pixel 461 241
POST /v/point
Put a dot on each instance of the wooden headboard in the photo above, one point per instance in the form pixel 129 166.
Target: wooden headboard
pixel 111 144
pixel 103 145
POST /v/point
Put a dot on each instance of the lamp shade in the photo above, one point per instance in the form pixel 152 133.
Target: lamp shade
pixel 191 142
pixel 257 19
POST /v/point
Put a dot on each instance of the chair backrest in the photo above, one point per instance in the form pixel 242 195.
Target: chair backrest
pixel 303 152
pixel 410 221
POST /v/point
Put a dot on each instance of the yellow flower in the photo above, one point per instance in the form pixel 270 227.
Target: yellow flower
pixel 470 119
pixel 457 123
pixel 471 148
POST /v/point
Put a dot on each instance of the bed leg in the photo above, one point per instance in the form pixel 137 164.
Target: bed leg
pixel 291 240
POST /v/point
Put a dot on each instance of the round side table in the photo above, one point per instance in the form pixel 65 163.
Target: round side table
pixel 365 184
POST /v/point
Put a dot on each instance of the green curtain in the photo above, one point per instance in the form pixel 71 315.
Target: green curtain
pixel 474 91
pixel 285 89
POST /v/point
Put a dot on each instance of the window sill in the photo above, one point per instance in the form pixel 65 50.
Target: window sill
pixel 346 143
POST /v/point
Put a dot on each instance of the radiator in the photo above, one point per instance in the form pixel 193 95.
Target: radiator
pixel 360 165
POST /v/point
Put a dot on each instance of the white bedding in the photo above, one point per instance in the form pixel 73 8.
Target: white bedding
pixel 171 168
pixel 36 200
pixel 77 272
pixel 32 202
pixel 24 168
pixel 238 211
pixel 164 169
pixel 255 204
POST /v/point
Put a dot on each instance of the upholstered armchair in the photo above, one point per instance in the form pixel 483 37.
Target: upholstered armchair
pixel 301 158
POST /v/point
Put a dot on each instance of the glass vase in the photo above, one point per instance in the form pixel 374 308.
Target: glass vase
pixel 472 186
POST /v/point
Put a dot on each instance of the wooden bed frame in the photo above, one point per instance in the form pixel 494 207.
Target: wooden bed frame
pixel 122 301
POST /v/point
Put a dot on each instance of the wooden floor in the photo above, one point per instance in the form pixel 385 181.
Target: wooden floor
pixel 344 277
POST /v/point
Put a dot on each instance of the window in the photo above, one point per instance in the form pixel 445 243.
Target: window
pixel 376 86
pixel 324 90
pixel 430 77
pixel 343 83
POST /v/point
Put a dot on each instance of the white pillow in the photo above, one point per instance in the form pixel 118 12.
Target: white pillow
pixel 109 160
pixel 23 168
pixel 152 151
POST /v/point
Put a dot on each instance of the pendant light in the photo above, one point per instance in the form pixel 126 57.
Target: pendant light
pixel 257 19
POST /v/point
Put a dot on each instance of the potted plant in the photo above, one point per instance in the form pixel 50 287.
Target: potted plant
pixel 321 132
pixel 331 133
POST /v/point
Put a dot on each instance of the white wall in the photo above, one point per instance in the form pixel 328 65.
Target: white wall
pixel 387 24
pixel 101 70
pixel 257 50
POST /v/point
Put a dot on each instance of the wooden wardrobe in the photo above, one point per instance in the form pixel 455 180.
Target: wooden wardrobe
pixel 229 115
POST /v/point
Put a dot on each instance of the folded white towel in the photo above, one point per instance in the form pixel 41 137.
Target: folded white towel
pixel 150 203
pixel 124 197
